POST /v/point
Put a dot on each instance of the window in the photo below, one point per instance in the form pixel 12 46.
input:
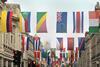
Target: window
pixel 4 62
pixel 14 27
pixel 97 65
pixel 0 61
pixel 9 63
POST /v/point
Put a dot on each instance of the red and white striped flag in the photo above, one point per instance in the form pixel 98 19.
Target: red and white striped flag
pixel 78 20
pixel 36 42
pixel 37 54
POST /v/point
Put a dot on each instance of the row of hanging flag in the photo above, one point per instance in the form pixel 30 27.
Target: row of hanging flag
pixel 70 56
pixel 71 43
pixel 61 25
pixel 78 22
pixel 41 25
pixel 7 24
pixel 26 40
pixel 36 47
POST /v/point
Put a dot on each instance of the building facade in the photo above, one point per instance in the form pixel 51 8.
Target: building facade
pixel 90 57
pixel 28 55
pixel 9 42
pixel 95 49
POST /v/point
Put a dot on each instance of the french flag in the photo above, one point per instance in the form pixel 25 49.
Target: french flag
pixel 78 20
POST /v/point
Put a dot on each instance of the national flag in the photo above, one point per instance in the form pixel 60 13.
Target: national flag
pixel 36 42
pixel 66 56
pixel 78 22
pixel 44 53
pixel 57 53
pixel 48 59
pixel 76 54
pixel 8 14
pixel 52 53
pixel 37 54
pixel 67 65
pixel 61 56
pixel 23 42
pixel 94 29
pixel 27 43
pixel 70 41
pixel 64 49
pixel 20 23
pixel 3 19
pixel 61 22
pixel 41 22
pixel 63 53
pixel 26 16
pixel 94 17
pixel 9 20
pixel 72 56
pixel 69 56
pixel 60 43
pixel 81 43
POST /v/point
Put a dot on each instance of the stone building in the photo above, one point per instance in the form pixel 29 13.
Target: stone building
pixel 12 41
pixel 95 49
pixel 91 56
pixel 9 41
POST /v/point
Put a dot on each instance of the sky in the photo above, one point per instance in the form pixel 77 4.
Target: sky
pixel 51 7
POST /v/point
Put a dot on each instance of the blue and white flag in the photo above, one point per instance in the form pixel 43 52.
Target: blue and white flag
pixel 61 22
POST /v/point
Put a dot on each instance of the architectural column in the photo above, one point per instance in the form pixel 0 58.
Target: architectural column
pixel 2 62
pixel 6 63
pixel 25 63
pixel 12 65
